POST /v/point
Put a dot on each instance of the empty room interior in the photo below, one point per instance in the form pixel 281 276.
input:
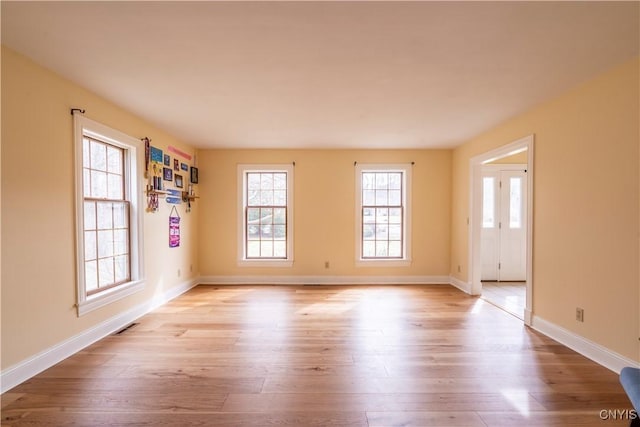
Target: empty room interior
pixel 319 213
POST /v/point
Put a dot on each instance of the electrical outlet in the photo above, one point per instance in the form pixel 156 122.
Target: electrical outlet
pixel 326 264
pixel 179 272
pixel 459 269
pixel 579 314
pixel 191 268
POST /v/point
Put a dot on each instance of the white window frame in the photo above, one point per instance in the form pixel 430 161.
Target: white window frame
pixel 134 165
pixel 243 261
pixel 406 169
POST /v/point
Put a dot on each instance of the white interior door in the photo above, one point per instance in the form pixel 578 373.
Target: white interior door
pixel 490 234
pixel 513 229
pixel 504 224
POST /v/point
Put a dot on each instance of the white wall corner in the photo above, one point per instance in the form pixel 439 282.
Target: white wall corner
pixel 596 352
pixel 22 371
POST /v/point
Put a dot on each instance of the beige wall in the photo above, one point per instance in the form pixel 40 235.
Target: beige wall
pixel 38 256
pixel 586 207
pixel 324 211
pixel 520 158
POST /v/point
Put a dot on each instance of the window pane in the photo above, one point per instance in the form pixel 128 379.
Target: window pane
pixel 121 268
pixel 86 182
pixel 382 232
pixel 279 216
pixel 90 242
pixel 120 215
pixel 515 203
pixel 279 232
pixel 382 249
pixel 266 198
pixel 280 249
pixel 382 181
pixel 253 249
pixel 368 215
pixel 114 160
pixel 86 159
pixel 369 249
pixel 395 198
pixel 266 216
pixel 280 181
pixel 368 197
pixel 395 181
pixel 266 248
pixel 253 181
pixel 395 216
pixel 488 202
pixel 253 215
pixel 382 198
pixel 280 198
pixel 395 232
pixel 98 184
pixel 395 249
pixel 105 243
pixel 114 187
pixel 106 272
pixel 89 215
pixel 105 215
pixel 120 242
pixel 91 275
pixel 266 231
pixel 368 232
pixel 368 181
pixel 266 181
pixel 253 198
pixel 98 156
pixel 382 215
pixel 253 232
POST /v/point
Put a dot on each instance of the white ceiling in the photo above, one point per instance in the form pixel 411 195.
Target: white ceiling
pixel 324 74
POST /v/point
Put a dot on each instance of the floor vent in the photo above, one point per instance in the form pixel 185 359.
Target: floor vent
pixel 126 328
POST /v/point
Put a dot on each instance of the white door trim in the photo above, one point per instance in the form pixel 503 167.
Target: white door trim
pixel 475 214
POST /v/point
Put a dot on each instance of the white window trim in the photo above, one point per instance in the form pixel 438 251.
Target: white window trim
pixel 242 194
pixel 134 165
pixel 368 262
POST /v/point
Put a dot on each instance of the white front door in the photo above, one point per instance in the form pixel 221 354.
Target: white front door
pixel 504 225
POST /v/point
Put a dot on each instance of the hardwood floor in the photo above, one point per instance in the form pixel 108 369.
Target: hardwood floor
pixel 321 356
pixel 509 296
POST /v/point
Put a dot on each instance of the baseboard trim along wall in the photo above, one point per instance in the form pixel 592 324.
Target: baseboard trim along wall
pixel 463 286
pixel 599 354
pixel 32 366
pixel 324 280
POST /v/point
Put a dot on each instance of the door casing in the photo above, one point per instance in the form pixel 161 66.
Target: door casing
pixel 475 214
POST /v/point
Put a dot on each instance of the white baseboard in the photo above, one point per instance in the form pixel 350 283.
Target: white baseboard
pixel 323 280
pixel 26 369
pixel 463 286
pixel 599 354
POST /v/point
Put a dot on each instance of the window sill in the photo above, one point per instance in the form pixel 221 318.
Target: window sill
pixel 265 263
pixel 383 263
pixel 107 297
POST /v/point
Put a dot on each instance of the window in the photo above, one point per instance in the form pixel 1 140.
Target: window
pixel 266 225
pixel 382 217
pixel 108 214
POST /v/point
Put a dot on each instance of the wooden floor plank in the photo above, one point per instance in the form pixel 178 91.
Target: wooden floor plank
pixel 321 356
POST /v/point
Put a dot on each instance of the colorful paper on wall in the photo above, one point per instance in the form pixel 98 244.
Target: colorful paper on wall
pixel 156 155
pixel 174 231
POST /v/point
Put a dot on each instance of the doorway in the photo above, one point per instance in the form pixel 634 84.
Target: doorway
pixel 502 254
pixel 504 223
